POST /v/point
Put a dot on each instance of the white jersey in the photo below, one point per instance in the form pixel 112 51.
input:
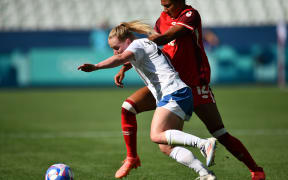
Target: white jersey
pixel 154 68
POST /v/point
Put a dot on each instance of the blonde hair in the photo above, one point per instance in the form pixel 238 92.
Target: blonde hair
pixel 125 30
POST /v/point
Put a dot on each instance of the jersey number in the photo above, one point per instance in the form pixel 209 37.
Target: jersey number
pixel 201 90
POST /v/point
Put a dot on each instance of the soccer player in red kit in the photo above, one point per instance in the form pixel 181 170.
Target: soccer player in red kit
pixel 187 51
pixel 180 31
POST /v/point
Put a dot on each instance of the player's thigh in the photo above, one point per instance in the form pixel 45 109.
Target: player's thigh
pixel 163 119
pixel 143 99
pixel 210 116
pixel 205 107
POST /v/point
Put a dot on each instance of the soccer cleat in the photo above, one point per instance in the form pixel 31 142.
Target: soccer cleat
pixel 207 177
pixel 128 164
pixel 258 175
pixel 208 151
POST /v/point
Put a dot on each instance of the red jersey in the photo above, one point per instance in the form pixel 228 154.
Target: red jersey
pixel 187 51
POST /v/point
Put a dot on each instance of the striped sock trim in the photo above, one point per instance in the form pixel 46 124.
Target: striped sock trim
pixel 219 132
pixel 129 106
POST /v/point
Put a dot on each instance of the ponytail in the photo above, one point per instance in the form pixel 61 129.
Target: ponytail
pixel 125 30
pixel 139 27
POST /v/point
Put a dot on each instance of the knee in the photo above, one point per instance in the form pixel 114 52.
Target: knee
pixel 224 137
pixel 219 133
pixel 227 139
pixel 155 138
pixel 166 149
pixel 130 106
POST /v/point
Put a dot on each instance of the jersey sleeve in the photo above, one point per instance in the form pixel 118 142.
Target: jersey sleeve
pixel 190 20
pixel 137 49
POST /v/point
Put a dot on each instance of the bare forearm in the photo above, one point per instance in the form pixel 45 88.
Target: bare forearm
pixel 111 62
pixel 159 39
pixel 171 34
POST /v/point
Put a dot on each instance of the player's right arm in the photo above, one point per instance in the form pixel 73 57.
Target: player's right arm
pixel 183 26
pixel 111 62
pixel 171 34
pixel 118 78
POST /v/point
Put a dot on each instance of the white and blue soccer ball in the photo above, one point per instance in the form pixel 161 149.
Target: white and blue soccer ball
pixel 59 172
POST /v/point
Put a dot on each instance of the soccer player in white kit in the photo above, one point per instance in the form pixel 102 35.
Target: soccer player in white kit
pixel 174 98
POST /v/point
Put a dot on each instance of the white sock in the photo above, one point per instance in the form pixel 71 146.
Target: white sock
pixel 176 137
pixel 186 157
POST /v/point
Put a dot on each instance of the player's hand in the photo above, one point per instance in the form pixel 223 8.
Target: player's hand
pixel 118 79
pixel 153 36
pixel 87 67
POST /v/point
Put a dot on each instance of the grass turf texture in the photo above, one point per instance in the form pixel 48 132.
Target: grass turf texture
pixel 81 127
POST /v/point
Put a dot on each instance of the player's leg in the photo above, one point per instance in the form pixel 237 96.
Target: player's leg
pixel 210 116
pixel 180 104
pixel 164 121
pixel 187 158
pixel 165 129
pixel 140 101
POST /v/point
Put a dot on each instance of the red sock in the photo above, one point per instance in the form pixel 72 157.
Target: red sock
pixel 235 147
pixel 129 127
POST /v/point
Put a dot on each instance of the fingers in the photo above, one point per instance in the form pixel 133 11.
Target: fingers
pixel 86 67
pixel 82 67
pixel 118 80
pixel 119 83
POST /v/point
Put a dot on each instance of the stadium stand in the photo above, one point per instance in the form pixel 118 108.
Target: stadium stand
pixel 87 14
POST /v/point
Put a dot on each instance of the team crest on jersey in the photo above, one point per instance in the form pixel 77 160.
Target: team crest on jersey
pixel 188 14
pixel 172 43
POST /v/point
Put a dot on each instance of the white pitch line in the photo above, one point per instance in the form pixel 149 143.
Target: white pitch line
pixel 51 135
pixel 261 132
pixel 113 134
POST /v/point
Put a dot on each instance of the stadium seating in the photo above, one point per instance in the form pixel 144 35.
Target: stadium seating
pixel 87 14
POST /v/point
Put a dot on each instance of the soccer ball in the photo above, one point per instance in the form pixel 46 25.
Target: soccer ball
pixel 59 172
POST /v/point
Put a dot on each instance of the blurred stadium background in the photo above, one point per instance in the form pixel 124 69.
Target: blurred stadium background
pixel 43 41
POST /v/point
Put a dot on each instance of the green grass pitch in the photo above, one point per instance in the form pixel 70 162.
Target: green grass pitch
pixel 81 127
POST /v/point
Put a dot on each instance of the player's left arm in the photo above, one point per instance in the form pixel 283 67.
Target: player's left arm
pixel 111 62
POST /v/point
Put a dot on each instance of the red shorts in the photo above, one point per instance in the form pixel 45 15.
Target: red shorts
pixel 202 95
